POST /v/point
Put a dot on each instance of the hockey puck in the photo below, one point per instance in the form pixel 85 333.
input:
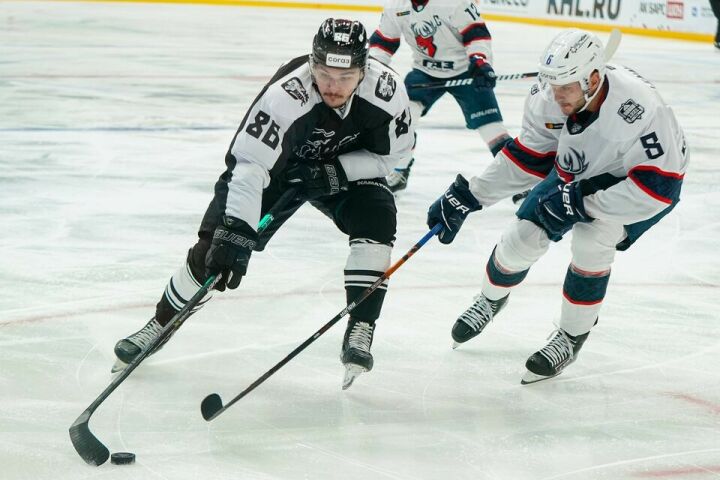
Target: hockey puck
pixel 122 458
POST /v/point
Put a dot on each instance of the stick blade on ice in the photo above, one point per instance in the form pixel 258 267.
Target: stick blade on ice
pixel 86 444
pixel 210 406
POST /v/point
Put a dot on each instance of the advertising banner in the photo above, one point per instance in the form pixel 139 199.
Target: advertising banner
pixel 693 16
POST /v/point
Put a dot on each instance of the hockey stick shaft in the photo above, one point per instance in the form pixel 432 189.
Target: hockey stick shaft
pixel 86 444
pixel 468 81
pixel 610 47
pixel 212 406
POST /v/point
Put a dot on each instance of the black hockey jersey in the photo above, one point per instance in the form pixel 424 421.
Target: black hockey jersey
pixel 289 122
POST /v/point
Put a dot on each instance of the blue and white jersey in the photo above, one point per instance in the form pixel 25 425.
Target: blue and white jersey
pixel 634 137
pixel 442 35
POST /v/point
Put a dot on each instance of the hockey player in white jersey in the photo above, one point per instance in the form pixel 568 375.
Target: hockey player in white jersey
pixel 449 40
pixel 331 125
pixel 606 157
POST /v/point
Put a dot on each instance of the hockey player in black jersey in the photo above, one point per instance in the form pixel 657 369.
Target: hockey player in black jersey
pixel 331 125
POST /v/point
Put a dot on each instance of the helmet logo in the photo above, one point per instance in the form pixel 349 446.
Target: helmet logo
pixel 578 44
pixel 338 61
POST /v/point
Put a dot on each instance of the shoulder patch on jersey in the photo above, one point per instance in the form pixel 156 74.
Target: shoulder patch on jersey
pixel 386 85
pixel 631 111
pixel 534 90
pixel 295 89
pixel 402 14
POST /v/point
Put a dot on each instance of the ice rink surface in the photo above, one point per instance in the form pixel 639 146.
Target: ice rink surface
pixel 114 123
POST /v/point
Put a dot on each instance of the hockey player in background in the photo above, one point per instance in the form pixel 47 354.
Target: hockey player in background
pixel 331 125
pixel 607 159
pixel 449 40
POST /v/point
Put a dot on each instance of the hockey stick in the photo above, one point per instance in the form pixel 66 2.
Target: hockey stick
pixel 86 444
pixel 612 44
pixel 468 81
pixel 212 405
pixel 610 47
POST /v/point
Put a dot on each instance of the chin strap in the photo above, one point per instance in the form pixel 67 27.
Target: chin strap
pixel 590 98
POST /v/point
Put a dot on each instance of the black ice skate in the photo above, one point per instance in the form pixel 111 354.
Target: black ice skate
pixel 355 353
pixel 398 178
pixel 130 347
pixel 476 318
pixel 552 359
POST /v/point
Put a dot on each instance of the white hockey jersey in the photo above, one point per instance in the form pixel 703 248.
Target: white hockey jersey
pixel 442 35
pixel 289 122
pixel 634 137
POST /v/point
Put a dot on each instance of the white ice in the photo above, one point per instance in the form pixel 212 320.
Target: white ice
pixel 114 123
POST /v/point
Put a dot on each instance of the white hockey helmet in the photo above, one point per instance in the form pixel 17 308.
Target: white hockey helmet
pixel 572 56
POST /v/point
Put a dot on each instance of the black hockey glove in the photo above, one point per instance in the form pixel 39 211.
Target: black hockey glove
pixel 451 209
pixel 325 177
pixel 229 253
pixel 482 73
pixel 558 211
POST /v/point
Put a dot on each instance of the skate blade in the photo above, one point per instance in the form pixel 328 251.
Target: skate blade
pixel 351 373
pixel 118 367
pixel 530 377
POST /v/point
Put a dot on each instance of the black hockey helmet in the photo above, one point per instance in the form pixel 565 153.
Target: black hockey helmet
pixel 340 43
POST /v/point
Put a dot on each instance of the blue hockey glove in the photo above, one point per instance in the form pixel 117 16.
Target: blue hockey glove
pixel 482 73
pixel 317 179
pixel 560 210
pixel 451 209
pixel 229 253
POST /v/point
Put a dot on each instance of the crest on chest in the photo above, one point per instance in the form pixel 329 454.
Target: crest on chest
pixel 570 163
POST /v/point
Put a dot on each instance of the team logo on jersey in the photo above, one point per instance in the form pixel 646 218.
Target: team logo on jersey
pixel 295 89
pixel 534 90
pixel 424 32
pixel 570 164
pixel 574 127
pixel 320 144
pixel 385 88
pixel 631 111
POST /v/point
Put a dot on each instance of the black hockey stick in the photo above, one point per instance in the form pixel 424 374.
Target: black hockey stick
pixel 87 445
pixel 212 405
pixel 468 81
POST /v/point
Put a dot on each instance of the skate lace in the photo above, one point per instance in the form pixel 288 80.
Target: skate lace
pixel 146 334
pixel 560 348
pixel 361 336
pixel 479 314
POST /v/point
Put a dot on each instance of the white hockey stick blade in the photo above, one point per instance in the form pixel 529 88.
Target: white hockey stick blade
pixel 612 44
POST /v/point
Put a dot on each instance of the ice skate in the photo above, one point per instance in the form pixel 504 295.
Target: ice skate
pixel 552 359
pixel 475 319
pixel 130 347
pixel 398 178
pixel 356 354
